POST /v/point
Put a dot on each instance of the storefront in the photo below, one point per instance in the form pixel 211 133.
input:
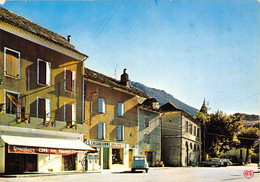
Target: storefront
pixel 112 154
pixel 20 154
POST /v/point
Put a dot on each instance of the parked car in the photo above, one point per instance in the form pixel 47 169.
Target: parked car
pixel 212 162
pixel 235 160
pixel 139 163
pixel 226 162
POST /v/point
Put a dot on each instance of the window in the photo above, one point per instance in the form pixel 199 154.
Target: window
pixel 101 131
pixel 117 156
pixel 120 132
pixel 101 105
pixel 44 108
pixel 187 126
pixel 11 63
pixel 12 105
pixel 70 80
pixel 147 121
pixel 120 109
pixel 43 72
pixel 70 113
pixel 147 138
pixel 195 147
pixel 195 130
pixel 191 128
pixel 198 132
pixel 190 145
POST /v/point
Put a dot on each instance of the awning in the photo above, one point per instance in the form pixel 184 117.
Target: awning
pixel 40 145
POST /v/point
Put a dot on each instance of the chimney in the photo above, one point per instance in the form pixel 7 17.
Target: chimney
pixel 68 38
pixel 124 79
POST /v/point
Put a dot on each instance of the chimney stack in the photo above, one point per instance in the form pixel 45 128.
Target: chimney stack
pixel 68 38
pixel 124 79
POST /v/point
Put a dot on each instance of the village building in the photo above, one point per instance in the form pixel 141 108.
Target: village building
pixel 149 131
pixel 41 98
pixel 181 137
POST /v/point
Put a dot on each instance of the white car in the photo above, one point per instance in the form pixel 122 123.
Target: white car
pixel 139 163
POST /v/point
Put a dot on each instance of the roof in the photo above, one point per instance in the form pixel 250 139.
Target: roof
pixel 151 104
pixel 93 75
pixel 170 107
pixel 31 27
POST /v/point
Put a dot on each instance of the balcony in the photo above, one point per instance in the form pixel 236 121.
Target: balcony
pixel 37 123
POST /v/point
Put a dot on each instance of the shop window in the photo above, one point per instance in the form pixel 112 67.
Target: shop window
pixel 70 80
pixel 101 131
pixel 44 108
pixel 120 109
pixel 195 130
pixel 117 156
pixel 101 105
pixel 120 132
pixel 44 72
pixel 70 113
pixel 11 63
pixel 147 121
pixel 12 105
pixel 187 126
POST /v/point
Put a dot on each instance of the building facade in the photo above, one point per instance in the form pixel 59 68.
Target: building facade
pixel 149 131
pixel 41 81
pixel 111 113
pixel 181 137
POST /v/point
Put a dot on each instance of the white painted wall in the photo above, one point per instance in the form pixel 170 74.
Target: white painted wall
pixel 46 162
pixel 2 156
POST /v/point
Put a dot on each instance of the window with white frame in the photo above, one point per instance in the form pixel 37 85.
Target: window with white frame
pixel 120 109
pixel 101 130
pixel 11 63
pixel 44 108
pixel 70 113
pixel 70 80
pixel 120 132
pixel 12 105
pixel 147 121
pixel 101 105
pixel 43 72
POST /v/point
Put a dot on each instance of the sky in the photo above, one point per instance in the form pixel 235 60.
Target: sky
pixel 192 49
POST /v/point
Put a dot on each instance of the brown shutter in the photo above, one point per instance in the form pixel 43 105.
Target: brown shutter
pixel 69 80
pixel 68 113
pixel 12 63
pixel 42 72
pixel 41 108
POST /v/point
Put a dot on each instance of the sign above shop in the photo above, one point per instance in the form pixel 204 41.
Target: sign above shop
pixel 105 144
pixel 39 150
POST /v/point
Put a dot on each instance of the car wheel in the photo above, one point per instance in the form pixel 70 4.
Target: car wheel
pixel 132 170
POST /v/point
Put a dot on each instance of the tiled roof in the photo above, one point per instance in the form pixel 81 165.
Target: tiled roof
pixel 22 23
pixel 93 75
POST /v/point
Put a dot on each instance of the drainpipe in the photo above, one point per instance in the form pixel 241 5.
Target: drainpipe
pixel 83 91
pixel 181 142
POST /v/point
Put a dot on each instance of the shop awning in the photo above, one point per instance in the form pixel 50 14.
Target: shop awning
pixel 28 144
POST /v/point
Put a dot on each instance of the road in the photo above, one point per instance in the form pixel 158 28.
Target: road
pixel 178 174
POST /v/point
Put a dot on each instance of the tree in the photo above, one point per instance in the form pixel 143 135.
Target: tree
pixel 248 138
pixel 221 133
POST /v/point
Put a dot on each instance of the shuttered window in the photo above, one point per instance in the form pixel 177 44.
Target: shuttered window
pixel 70 80
pixel 120 132
pixel 70 113
pixel 44 72
pixel 12 63
pixel 101 131
pixel 120 109
pixel 44 108
pixel 101 105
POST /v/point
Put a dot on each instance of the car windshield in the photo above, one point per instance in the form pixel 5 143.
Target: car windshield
pixel 139 158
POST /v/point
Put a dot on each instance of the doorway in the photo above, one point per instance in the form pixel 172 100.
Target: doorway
pixel 105 158
pixel 69 162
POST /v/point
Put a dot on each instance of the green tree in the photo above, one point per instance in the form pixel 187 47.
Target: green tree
pixel 221 133
pixel 248 138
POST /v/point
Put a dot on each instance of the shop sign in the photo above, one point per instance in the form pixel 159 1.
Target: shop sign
pixel 97 143
pixel 39 150
pixel 121 145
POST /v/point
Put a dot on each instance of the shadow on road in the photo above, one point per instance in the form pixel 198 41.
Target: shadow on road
pixel 128 172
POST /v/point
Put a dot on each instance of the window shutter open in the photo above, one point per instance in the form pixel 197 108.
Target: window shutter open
pixel 104 130
pixel 101 130
pixel 68 74
pixel 68 113
pixel 42 72
pixel 73 82
pixel 73 113
pixel 12 63
pixel 48 109
pixel 120 132
pixel 48 73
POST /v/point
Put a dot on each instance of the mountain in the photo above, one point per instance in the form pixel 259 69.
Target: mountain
pixel 163 97
pixel 249 117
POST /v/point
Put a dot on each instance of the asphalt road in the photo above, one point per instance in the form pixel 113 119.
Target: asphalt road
pixel 178 174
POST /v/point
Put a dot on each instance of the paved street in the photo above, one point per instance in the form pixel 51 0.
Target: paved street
pixel 180 174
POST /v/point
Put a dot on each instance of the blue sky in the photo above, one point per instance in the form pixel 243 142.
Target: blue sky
pixel 192 49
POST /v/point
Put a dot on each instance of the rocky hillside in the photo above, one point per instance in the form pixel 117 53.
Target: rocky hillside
pixel 163 97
